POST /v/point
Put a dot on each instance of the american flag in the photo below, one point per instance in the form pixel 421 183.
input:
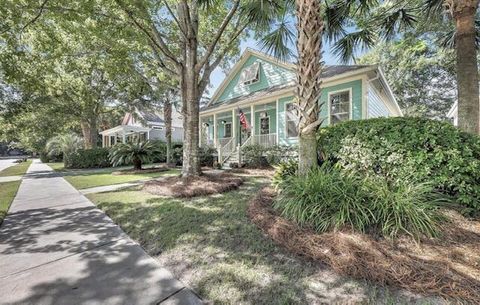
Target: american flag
pixel 243 119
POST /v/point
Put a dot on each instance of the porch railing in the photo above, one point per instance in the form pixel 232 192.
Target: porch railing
pixel 226 148
pixel 265 140
pixel 247 142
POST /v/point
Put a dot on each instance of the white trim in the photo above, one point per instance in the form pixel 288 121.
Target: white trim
pixel 329 106
pixel 276 121
pixel 243 58
pixel 260 126
pixel 365 97
pixel 286 121
pixel 390 92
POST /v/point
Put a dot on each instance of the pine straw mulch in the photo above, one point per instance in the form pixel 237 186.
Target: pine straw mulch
pixel 262 172
pixel 207 184
pixel 448 266
pixel 150 170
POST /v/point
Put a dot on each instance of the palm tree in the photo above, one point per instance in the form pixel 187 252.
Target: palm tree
pixel 136 153
pixel 65 144
pixel 463 13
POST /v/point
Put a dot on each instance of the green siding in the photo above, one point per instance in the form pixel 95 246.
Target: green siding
pixel 271 111
pixel 270 75
pixel 356 86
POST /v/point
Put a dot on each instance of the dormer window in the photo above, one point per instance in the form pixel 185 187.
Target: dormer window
pixel 250 74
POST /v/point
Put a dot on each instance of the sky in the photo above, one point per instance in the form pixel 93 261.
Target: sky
pixel 217 75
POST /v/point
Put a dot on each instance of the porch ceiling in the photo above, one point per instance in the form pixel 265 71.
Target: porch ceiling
pixel 124 130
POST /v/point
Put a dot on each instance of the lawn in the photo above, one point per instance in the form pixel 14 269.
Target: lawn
pixel 210 244
pixel 16 170
pixel 8 190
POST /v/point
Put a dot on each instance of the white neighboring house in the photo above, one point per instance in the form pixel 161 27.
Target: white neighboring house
pixel 143 125
pixel 453 114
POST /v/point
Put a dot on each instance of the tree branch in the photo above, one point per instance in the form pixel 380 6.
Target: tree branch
pixel 42 7
pixel 223 26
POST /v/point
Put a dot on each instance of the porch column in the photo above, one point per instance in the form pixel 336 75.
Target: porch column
pixel 103 140
pixel 252 123
pixel 234 126
pixel 276 123
pixel 215 130
pixel 124 139
pixel 148 135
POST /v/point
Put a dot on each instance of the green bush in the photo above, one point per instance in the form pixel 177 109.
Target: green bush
pixel 283 172
pixel 136 153
pixel 87 158
pixel 328 198
pixel 411 150
pixel 253 156
pixel 207 155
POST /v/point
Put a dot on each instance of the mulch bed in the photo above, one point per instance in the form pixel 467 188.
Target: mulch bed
pixel 448 266
pixel 207 184
pixel 142 171
pixel 263 172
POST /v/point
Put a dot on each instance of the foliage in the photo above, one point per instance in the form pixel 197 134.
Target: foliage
pixel 253 156
pixel 207 155
pixel 88 158
pixel 283 172
pixel 259 156
pixel 63 144
pixel 328 198
pixel 413 150
pixel 137 153
pixel 422 76
pixel 161 155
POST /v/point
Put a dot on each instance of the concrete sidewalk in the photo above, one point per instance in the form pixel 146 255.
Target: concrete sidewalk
pixel 56 247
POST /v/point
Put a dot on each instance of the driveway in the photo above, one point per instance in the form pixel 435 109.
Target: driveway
pixel 56 247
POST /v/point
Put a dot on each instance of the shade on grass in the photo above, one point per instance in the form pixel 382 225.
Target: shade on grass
pixel 83 180
pixel 8 190
pixel 16 170
pixel 210 244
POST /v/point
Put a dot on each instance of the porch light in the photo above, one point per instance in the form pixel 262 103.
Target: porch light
pixel 224 122
pixel 263 114
pixel 206 124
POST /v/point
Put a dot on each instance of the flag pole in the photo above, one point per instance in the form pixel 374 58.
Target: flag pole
pixel 239 128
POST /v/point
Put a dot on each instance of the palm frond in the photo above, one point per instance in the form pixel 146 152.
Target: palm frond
pixel 277 42
pixel 345 47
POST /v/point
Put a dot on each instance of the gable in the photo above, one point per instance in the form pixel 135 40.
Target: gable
pixel 271 74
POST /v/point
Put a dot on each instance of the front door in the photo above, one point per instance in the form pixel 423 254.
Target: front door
pixel 265 125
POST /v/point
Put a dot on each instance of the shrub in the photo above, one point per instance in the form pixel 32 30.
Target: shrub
pixel 253 156
pixel 408 149
pixel 177 153
pixel 87 158
pixel 207 155
pixel 283 172
pixel 136 153
pixel 62 145
pixel 161 153
pixel 280 153
pixel 327 198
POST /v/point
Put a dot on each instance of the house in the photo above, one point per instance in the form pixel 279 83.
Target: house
pixel 263 89
pixel 453 114
pixel 143 125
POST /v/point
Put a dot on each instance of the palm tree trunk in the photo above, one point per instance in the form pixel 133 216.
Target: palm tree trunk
pixel 309 68
pixel 167 109
pixel 463 12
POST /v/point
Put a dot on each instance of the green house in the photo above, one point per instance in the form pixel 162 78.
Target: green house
pixel 260 91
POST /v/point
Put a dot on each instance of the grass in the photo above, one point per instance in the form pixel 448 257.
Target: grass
pixel 16 170
pixel 210 244
pixel 83 180
pixel 56 166
pixel 8 190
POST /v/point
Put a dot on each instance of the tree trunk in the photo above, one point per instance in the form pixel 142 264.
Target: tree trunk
pixel 89 132
pixel 190 91
pixel 309 68
pixel 167 110
pixel 463 12
pixel 137 164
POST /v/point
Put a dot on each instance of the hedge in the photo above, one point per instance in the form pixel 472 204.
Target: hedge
pixel 409 149
pixel 88 158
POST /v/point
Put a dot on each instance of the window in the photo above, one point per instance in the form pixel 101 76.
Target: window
pixel 339 107
pixel 250 74
pixel 158 127
pixel 291 121
pixel 265 125
pixel 228 130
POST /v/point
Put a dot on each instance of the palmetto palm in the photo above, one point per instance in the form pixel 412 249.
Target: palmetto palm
pixel 136 153
pixel 63 144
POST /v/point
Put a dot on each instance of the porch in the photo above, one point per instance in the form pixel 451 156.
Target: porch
pixel 124 134
pixel 266 122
